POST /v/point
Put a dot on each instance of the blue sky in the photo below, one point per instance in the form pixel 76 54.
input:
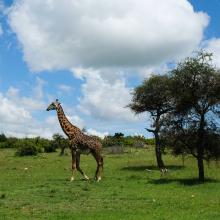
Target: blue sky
pixel 212 9
pixel 90 56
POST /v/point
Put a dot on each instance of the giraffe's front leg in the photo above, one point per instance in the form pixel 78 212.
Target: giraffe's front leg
pixel 73 152
pixel 78 166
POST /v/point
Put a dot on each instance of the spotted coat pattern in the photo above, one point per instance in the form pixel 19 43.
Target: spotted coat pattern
pixel 80 143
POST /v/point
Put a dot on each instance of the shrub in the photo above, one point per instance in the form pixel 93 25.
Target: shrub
pixel 150 141
pixel 49 147
pixel 9 143
pixel 26 147
pixel 44 145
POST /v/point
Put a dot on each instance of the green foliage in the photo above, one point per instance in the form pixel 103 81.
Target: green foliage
pixel 150 141
pixel 126 141
pixel 9 143
pixel 153 96
pixel 26 147
pixel 109 141
pixel 60 142
pixel 193 127
pixel 196 85
pixel 118 135
pixel 3 138
pixel 115 140
pixel 44 145
pixel 41 144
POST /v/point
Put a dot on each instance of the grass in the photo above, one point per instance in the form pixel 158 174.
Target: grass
pixel 39 188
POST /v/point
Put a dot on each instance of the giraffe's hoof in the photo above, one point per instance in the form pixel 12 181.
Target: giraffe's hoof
pixel 99 179
pixel 71 179
pixel 86 177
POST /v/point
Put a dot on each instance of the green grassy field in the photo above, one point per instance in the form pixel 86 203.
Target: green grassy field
pixel 39 188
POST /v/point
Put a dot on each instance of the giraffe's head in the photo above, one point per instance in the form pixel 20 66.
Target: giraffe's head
pixel 53 105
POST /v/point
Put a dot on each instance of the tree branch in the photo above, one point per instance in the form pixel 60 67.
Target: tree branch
pixel 150 130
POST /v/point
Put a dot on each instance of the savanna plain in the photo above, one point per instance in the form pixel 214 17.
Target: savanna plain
pixel 132 188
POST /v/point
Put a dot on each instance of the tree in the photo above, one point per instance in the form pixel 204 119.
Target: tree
pixel 193 126
pixel 3 138
pixel 60 142
pixel 154 96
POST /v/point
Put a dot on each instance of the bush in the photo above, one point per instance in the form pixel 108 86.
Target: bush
pixel 44 145
pixel 26 147
pixel 9 143
pixel 126 141
pixel 150 141
pixel 49 147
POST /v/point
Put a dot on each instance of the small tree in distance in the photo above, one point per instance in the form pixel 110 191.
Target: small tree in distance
pixel 3 138
pixel 153 96
pixel 60 142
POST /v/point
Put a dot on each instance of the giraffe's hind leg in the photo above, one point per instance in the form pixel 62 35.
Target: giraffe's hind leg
pixel 73 152
pixel 78 166
pixel 99 160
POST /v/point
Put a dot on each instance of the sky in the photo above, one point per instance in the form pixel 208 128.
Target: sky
pixel 90 54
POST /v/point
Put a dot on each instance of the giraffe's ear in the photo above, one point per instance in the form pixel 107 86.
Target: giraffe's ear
pixel 57 101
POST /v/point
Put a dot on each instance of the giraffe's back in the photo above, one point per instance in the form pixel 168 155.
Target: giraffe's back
pixel 86 143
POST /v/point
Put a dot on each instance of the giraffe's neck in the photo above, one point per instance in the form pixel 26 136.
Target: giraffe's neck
pixel 68 128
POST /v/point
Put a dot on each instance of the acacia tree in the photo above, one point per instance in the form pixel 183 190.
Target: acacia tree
pixel 60 142
pixel 193 126
pixel 153 96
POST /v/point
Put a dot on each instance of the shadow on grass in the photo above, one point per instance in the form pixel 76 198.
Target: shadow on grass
pixel 144 168
pixel 187 181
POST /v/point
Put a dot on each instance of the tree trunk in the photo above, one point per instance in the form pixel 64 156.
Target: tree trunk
pixel 201 169
pixel 62 151
pixel 183 160
pixel 158 153
pixel 160 163
pixel 200 149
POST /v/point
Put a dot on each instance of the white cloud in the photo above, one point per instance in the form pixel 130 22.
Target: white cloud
pixel 97 133
pixel 33 102
pixel 11 113
pixel 105 98
pixel 17 119
pixel 38 89
pixel 213 46
pixel 104 42
pixel 76 120
pixel 102 33
pixel 17 113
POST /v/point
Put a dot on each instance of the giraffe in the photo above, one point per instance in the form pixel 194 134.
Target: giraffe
pixel 80 143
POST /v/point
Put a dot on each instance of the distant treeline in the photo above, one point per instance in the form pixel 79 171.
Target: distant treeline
pixel 33 146
pixel 118 139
